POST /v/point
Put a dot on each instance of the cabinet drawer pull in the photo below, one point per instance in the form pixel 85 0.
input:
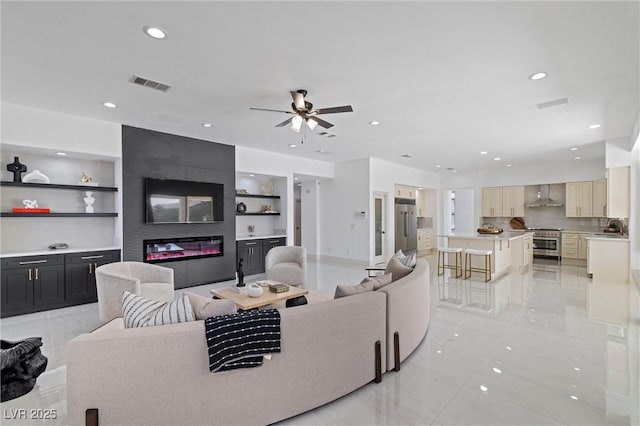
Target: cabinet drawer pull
pixel 37 277
pixel 92 257
pixel 32 262
pixel 90 268
pixel 30 276
pixel 251 244
pixel 274 241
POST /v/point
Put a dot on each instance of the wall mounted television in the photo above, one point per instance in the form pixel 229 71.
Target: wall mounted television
pixel 179 201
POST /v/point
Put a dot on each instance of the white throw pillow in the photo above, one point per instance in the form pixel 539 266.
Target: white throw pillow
pixel 205 307
pixel 139 311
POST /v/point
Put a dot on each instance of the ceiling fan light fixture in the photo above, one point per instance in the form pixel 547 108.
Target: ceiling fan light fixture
pixel 296 124
pixel 311 123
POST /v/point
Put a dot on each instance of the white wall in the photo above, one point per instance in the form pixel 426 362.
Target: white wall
pixel 634 219
pixel 54 131
pixel 384 175
pixel 616 153
pixel 343 234
pixel 310 203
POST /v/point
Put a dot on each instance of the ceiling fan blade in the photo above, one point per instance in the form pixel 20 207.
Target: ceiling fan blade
pixel 298 100
pixel 285 122
pixel 272 110
pixel 320 122
pixel 333 110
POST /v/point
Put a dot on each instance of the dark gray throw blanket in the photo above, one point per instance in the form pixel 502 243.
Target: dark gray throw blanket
pixel 21 362
pixel 240 340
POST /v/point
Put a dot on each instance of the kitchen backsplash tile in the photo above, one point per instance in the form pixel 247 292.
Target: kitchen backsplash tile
pixel 551 217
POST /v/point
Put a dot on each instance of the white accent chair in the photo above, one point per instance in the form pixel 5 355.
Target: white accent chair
pixel 287 264
pixel 144 279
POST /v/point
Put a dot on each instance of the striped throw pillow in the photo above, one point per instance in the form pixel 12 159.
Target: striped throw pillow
pixel 139 311
pixel 409 261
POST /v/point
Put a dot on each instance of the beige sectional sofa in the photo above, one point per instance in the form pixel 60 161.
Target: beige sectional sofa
pixel 160 375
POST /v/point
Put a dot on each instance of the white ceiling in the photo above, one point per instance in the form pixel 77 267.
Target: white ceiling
pixel 445 79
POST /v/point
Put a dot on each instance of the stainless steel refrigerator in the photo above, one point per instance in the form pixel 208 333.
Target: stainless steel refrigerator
pixel 406 227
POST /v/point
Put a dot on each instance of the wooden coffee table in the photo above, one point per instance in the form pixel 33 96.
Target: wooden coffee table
pixel 245 302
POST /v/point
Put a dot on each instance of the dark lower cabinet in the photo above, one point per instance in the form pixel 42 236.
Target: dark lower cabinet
pixel 38 283
pixel 253 253
pixel 80 275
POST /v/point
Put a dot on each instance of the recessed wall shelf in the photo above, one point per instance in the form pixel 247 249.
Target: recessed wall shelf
pixel 9 214
pixel 258 214
pixel 60 186
pixel 256 196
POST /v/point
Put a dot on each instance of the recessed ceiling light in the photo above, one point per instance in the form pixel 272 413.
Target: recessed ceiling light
pixel 251 174
pixel 374 123
pixel 538 76
pixel 509 165
pixel 497 158
pixel 155 32
pixel 295 178
pixel 407 155
pixel 574 148
pixel 454 171
pixel 292 145
pixel 207 125
pixel 61 153
pixel 483 388
pixel 438 166
pixel 577 158
pixel 575 398
pixel 109 104
pixel 594 126
pixel 484 152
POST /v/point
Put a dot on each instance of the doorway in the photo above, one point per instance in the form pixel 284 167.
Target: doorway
pixel 380 227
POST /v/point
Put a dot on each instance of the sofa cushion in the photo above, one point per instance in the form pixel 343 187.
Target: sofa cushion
pixel 397 269
pixel 378 281
pixel 138 311
pixel 350 290
pixel 205 307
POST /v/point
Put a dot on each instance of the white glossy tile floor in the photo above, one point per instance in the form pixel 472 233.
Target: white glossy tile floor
pixel 546 346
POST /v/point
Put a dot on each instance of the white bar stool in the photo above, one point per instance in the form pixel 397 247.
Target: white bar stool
pixel 487 263
pixel 442 265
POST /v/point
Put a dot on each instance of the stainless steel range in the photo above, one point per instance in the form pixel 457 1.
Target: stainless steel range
pixel 546 242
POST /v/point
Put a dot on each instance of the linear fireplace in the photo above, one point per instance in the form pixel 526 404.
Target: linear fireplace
pixel 173 249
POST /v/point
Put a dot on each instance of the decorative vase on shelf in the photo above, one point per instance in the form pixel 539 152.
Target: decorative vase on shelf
pixel 36 176
pixel 89 200
pixel 17 168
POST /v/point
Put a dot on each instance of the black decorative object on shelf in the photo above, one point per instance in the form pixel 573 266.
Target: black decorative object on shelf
pixel 240 274
pixel 241 208
pixel 17 168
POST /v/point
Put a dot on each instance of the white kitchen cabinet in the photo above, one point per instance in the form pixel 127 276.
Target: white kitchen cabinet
pixel 579 199
pixel 513 201
pixel 618 191
pixel 405 191
pixel 425 241
pixel 574 245
pixel 492 202
pixel 600 198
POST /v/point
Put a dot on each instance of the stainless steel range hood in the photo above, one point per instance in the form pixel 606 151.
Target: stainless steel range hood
pixel 544 200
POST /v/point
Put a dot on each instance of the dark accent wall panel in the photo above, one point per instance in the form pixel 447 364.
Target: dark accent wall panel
pixel 147 153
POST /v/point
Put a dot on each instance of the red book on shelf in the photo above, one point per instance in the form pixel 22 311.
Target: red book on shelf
pixel 36 210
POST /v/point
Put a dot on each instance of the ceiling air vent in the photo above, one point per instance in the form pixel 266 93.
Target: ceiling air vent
pixel 553 103
pixel 149 83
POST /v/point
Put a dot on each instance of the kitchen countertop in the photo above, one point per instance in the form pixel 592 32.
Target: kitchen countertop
pixel 506 235
pixel 58 251
pixel 603 236
pixel 259 237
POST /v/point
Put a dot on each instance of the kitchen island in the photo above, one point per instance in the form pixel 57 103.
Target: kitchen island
pixel 608 257
pixel 512 250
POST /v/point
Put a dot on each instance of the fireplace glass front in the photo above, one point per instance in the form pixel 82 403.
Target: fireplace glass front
pixel 172 249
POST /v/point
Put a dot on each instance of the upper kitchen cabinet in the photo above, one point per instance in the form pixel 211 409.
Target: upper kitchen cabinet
pixel 492 202
pixel 404 191
pixel 618 191
pixel 600 198
pixel 512 201
pixel 579 199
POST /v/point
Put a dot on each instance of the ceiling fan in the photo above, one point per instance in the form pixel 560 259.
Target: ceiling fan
pixel 303 112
